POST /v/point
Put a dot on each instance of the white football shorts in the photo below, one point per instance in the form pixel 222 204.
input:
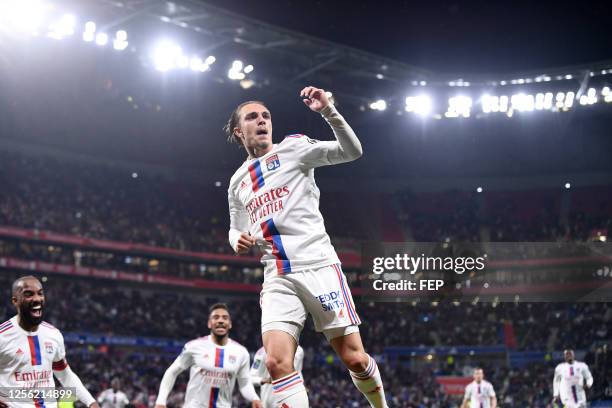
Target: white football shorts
pixel 287 299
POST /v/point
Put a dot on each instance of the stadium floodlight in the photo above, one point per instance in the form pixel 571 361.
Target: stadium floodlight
pixel 423 83
pixel 379 105
pixel 539 101
pixel 486 102
pixel 166 55
pixel 605 92
pixel 502 82
pixel 522 102
pixel 503 103
pixel 182 62
pixel 548 98
pixel 569 99
pixel 583 100
pixel 591 96
pixel 24 16
pixel 459 106
pixel 568 76
pixel 63 27
pixel 237 65
pixel 210 60
pixel 568 186
pixel 102 39
pixel 479 189
pixel 90 31
pixel 421 104
pixel 248 69
pixel 120 42
pixel 195 64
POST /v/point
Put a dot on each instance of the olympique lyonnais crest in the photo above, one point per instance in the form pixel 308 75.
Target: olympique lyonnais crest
pixel 49 347
pixel 232 359
pixel 272 162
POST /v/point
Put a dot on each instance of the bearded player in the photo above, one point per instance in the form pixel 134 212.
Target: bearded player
pixel 215 362
pixel 274 203
pixel 570 380
pixel 32 352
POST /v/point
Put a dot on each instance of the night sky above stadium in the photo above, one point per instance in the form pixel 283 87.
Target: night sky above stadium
pixel 451 36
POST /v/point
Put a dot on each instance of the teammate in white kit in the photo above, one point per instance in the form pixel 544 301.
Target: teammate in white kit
pixel 479 393
pixel 113 397
pixel 274 203
pixel 32 352
pixel 261 377
pixel 571 377
pixel 215 362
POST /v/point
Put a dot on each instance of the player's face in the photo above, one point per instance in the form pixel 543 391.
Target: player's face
pixel 255 127
pixel 30 301
pixel 219 322
pixel 569 355
pixel 478 375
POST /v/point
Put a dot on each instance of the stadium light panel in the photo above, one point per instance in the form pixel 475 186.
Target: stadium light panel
pixel 120 42
pixel 210 60
pixel 90 31
pixel 24 16
pixel 459 106
pixel 248 69
pixel 63 28
pixel 421 104
pixel 166 55
pixel 379 105
pixel 568 186
pixel 102 39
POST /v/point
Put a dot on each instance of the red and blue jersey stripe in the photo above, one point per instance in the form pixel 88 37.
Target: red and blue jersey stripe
pixel 346 295
pixel 34 350
pixel 219 354
pixel 214 397
pixel 256 174
pixel 271 234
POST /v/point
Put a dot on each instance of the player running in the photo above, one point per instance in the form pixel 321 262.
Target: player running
pixel 261 377
pixel 113 397
pixel 215 362
pixel 32 352
pixel 569 382
pixel 274 203
pixel 479 393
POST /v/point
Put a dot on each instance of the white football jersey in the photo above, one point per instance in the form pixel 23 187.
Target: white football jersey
pixel 213 371
pixel 259 372
pixel 111 399
pixel 569 381
pixel 27 360
pixel 275 198
pixel 479 395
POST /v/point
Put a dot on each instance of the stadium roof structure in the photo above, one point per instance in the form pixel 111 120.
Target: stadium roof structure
pixel 285 58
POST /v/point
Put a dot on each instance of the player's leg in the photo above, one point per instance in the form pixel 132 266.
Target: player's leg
pixel 363 369
pixel 282 318
pixel 328 299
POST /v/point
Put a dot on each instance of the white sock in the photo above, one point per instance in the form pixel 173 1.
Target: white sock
pixel 370 384
pixel 289 392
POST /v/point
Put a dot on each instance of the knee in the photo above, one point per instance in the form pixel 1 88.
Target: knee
pixel 279 366
pixel 356 361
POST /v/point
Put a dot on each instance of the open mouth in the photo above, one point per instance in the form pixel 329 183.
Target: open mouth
pixel 36 311
pixel 262 132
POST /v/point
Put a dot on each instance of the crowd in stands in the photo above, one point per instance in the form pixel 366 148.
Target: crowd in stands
pixel 104 307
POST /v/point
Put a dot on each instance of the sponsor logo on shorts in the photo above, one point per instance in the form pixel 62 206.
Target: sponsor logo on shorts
pixel 331 301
